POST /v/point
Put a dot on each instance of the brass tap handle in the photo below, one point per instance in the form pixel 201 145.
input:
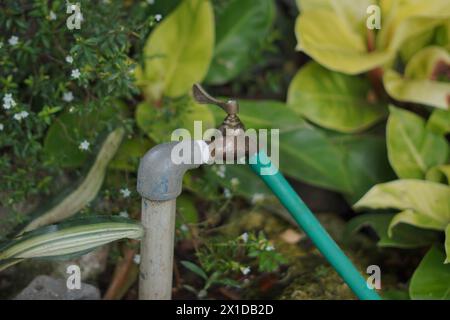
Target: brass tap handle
pixel 231 106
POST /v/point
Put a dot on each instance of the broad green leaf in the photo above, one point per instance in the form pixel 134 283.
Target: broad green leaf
pixel 431 278
pixel 345 163
pixel 415 219
pixel 412 149
pixel 439 122
pixel 440 174
pixel 73 200
pixel 179 51
pixel 159 123
pixel 404 19
pixel 69 238
pixel 334 33
pixel 333 100
pixel 129 153
pixel 403 236
pixel 422 81
pixel 240 29
pixel 329 40
pixel 430 199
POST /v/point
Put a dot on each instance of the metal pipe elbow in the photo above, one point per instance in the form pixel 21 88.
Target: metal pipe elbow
pixel 161 170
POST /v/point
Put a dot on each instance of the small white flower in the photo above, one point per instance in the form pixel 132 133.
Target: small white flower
pixel 234 182
pixel 151 2
pixel 244 237
pixel 137 258
pixel 76 73
pixel 51 16
pixel 227 193
pixel 258 198
pixel 20 115
pixel 13 40
pixel 8 101
pixel 68 96
pixel 270 248
pixel 84 145
pixel 69 59
pixel 245 270
pixel 125 192
pixel 184 228
pixel 158 17
pixel 72 109
pixel 1 126
pixel 123 214
pixel 24 114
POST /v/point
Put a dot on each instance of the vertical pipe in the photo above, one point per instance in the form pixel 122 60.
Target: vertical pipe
pixel 156 268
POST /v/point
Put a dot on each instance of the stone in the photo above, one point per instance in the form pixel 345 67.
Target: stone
pixel 47 288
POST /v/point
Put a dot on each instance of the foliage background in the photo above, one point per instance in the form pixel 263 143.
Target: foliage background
pixel 362 113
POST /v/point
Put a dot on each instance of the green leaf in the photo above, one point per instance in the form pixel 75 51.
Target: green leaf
pixel 69 238
pixel 420 83
pixel 412 149
pixel 439 122
pixel 428 199
pixel 179 51
pixel 74 199
pixel 195 269
pixel 403 236
pixel 129 153
pixel 335 35
pixel 159 127
pixel 240 29
pixel 431 278
pixel 327 34
pixel 437 174
pixel 415 219
pixel 333 100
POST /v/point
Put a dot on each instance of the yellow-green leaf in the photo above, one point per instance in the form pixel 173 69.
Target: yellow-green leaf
pixel 427 198
pixel 439 122
pixel 335 35
pixel 330 40
pixel 420 83
pixel 415 219
pixel 333 100
pixel 179 51
pixel 412 148
pixel 439 174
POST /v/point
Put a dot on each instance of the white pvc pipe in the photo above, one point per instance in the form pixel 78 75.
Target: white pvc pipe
pixel 157 245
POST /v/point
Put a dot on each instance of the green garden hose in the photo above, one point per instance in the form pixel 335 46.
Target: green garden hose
pixel 312 227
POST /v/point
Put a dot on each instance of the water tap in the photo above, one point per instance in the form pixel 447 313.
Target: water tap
pixel 233 144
